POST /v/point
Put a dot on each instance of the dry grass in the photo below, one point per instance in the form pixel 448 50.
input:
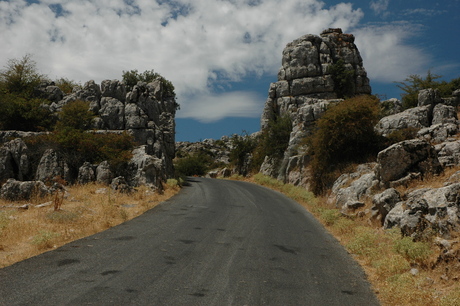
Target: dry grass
pixel 388 259
pixel 85 211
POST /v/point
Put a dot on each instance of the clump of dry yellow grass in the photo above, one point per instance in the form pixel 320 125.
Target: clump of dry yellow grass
pixel 86 210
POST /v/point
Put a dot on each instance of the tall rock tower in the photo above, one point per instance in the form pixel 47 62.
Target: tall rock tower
pixel 307 83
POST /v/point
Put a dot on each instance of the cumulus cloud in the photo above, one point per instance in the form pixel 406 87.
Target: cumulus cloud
pixel 386 55
pixel 192 43
pixel 197 44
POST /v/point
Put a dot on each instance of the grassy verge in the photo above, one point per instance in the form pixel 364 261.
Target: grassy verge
pixel 87 209
pixel 402 272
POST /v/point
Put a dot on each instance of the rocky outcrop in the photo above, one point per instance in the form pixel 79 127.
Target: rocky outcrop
pixel 14 160
pixel 436 208
pixel 306 87
pixel 147 113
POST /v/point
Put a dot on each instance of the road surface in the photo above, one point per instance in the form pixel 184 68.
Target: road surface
pixel 217 242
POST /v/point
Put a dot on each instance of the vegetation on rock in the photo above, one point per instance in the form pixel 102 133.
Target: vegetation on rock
pixel 414 83
pixel 343 135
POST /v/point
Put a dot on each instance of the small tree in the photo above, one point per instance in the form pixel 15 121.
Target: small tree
pixel 20 76
pixel 413 84
pixel 243 147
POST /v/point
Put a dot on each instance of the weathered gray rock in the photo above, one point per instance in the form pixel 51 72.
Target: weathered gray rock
pixel 14 190
pixel 383 203
pixel 104 174
pixel 444 114
pixel 429 97
pixel 49 91
pixel 398 160
pixel 112 113
pixel 119 184
pixel 304 90
pixel 357 191
pixel 439 132
pixel 86 174
pixel 52 166
pixel 146 169
pixel 417 118
pixel 391 107
pixel 14 160
pixel 437 208
pixel 113 89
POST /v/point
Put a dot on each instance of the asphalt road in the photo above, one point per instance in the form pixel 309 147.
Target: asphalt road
pixel 215 243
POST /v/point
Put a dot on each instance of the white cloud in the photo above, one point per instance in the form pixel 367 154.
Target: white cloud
pixel 379 6
pixel 189 42
pixel 196 44
pixel 386 55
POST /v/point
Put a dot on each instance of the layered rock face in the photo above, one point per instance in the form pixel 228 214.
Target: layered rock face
pixel 147 112
pixel 306 86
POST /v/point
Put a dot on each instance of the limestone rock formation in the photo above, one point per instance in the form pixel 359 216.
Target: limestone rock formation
pixel 306 87
pixel 14 160
pixel 147 113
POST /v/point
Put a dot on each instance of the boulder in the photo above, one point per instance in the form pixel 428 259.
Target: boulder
pixel 145 169
pixel 119 184
pixel 14 160
pixel 383 203
pixel 52 166
pixel 14 190
pixel 104 174
pixel 86 174
pixel 357 190
pixel 400 159
pixel 417 118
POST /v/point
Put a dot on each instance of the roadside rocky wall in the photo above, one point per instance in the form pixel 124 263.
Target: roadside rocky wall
pixel 147 112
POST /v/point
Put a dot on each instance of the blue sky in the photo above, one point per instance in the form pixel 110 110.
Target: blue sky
pixel 222 55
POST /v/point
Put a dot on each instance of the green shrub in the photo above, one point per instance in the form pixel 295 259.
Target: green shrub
pixel 44 239
pixel 343 78
pixel 414 83
pixel 243 146
pixel 273 141
pixel 344 134
pixel 191 165
pixel 75 115
pixel 24 114
pixel 66 85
